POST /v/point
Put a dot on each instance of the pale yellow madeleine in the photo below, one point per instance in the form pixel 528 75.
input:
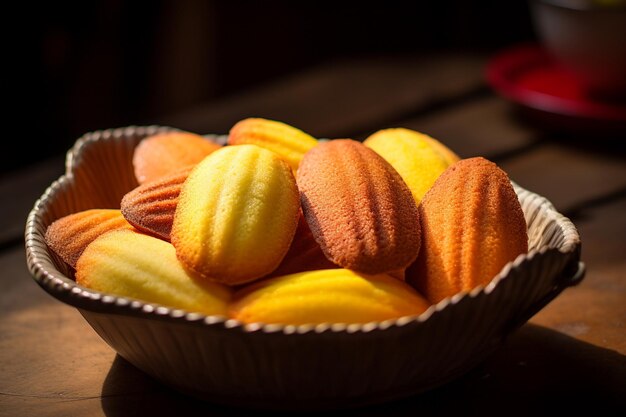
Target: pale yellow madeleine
pixel 236 215
pixel 326 296
pixel 135 265
pixel 418 158
pixel 287 141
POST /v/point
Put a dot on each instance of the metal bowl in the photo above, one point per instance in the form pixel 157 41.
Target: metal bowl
pixel 286 366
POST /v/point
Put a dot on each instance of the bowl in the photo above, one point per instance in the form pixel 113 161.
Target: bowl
pixel 333 365
pixel 588 38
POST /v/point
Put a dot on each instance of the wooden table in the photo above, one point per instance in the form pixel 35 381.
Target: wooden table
pixel 568 358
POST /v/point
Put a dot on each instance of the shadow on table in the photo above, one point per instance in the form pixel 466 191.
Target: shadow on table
pixel 538 371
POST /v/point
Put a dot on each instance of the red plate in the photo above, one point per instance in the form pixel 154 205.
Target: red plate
pixel 528 76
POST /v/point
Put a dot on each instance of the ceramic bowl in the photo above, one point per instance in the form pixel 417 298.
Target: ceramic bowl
pixel 286 366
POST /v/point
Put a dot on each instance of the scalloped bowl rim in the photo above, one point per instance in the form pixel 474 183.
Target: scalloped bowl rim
pixel 68 291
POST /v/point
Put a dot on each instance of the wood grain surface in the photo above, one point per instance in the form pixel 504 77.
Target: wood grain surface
pixel 570 357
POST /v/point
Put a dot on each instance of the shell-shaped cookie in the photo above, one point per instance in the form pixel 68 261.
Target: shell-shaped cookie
pixel 359 209
pixel 68 236
pixel 287 141
pixel 165 153
pixel 237 214
pixel 304 254
pixel 143 267
pixel 418 158
pixel 472 225
pixel 326 296
pixel 150 207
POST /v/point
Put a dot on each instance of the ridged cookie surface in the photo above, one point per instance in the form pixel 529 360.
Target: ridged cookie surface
pixel 70 235
pixel 326 296
pixel 287 141
pixel 165 153
pixel 359 209
pixel 418 158
pixel 237 214
pixel 143 267
pixel 150 207
pixel 472 225
pixel 304 254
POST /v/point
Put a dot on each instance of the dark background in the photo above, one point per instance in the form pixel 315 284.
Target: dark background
pixel 75 67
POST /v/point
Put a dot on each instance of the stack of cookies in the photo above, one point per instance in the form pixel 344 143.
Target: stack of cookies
pixel 277 226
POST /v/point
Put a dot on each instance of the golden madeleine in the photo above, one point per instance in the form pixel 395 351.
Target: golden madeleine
pixel 69 235
pixel 359 209
pixel 326 296
pixel 288 142
pixel 472 225
pixel 151 206
pixel 165 153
